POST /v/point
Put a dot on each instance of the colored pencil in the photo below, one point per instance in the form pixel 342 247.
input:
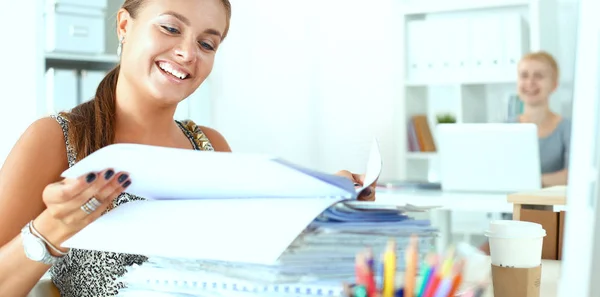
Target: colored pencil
pixel 411 267
pixel 389 273
pixel 457 280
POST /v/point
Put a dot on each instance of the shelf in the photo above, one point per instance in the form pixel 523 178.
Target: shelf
pixel 440 6
pixel 458 82
pixel 83 58
pixel 420 156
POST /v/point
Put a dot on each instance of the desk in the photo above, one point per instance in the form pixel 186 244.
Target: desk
pixel 447 202
pixel 554 196
pixel 548 286
pixel 456 201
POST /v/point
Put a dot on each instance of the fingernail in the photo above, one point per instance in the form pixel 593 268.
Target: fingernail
pixel 90 177
pixel 123 177
pixel 108 174
pixel 126 184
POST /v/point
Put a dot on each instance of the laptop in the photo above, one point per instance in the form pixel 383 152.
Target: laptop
pixel 496 158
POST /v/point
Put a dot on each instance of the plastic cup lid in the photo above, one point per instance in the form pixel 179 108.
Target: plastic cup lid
pixel 515 229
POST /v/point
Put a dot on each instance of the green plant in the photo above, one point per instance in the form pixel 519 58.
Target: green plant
pixel 446 118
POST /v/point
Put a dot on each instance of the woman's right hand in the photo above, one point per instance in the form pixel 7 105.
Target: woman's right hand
pixel 72 204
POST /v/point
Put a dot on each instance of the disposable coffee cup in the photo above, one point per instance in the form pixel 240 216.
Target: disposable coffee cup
pixel 515 244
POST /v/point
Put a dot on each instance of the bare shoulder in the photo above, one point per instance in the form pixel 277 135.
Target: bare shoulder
pixel 217 140
pixel 44 138
pixel 36 160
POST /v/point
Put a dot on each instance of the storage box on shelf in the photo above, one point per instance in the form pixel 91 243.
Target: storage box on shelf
pixel 75 26
pixel 80 47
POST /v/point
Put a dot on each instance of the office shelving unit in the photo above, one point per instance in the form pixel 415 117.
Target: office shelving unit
pixel 461 58
pixel 77 62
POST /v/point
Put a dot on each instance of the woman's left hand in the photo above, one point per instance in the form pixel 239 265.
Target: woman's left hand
pixel 367 194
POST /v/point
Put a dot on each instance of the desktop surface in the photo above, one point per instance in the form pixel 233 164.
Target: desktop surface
pixel 488 158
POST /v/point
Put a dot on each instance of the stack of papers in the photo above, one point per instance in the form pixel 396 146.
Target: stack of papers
pixel 322 256
pixel 206 225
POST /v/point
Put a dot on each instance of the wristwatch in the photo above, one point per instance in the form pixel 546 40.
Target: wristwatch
pixel 35 248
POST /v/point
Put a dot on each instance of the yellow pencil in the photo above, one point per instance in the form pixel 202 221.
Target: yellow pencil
pixel 389 270
pixel 411 267
pixel 448 263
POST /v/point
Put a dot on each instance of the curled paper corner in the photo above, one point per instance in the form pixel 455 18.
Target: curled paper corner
pixel 477 263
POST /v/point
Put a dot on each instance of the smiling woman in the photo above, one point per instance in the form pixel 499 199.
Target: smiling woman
pixel 538 78
pixel 167 50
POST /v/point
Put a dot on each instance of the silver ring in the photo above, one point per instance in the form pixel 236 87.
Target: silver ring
pixel 91 205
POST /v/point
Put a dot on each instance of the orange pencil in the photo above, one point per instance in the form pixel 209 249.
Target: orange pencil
pixel 411 267
pixel 457 281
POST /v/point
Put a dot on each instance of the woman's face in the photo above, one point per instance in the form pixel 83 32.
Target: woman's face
pixel 169 48
pixel 536 82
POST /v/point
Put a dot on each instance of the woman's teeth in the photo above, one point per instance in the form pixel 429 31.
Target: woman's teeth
pixel 169 69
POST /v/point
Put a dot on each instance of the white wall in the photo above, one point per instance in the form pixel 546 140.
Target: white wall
pixel 311 81
pixel 19 81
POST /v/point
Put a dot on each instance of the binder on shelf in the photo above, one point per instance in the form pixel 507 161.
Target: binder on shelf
pixel 422 134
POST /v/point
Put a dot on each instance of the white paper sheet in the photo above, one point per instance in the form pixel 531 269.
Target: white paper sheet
pixel 374 166
pixel 169 173
pixel 252 226
pixel 240 230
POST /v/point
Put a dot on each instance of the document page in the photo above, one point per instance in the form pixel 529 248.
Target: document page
pixel 254 231
pixel 169 173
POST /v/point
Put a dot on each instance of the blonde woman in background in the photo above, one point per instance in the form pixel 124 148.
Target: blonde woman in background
pixel 538 75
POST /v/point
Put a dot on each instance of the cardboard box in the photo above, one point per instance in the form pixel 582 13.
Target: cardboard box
pixel 550 222
pixel 516 282
pixel 561 229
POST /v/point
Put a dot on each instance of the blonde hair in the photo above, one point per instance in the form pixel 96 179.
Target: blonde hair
pixel 544 57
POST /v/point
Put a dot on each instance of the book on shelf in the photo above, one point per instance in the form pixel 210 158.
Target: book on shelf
pixel 420 138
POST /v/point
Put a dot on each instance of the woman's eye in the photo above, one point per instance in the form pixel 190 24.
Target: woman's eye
pixel 170 29
pixel 206 46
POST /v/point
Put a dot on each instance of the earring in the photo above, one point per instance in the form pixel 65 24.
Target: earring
pixel 120 48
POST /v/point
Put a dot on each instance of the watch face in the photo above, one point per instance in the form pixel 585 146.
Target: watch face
pixel 35 249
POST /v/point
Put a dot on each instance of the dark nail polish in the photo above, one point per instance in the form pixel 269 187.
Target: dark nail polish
pixel 108 174
pixel 123 177
pixel 126 184
pixel 90 177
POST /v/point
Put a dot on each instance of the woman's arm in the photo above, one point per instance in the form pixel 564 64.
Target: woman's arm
pixel 558 178
pixel 37 159
pixel 216 139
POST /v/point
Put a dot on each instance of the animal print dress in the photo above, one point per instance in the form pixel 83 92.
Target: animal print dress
pixel 84 273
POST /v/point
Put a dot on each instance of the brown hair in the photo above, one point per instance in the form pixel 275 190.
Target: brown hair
pixel 546 58
pixel 92 124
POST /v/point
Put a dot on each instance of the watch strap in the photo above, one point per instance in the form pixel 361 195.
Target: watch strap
pixel 47 258
pixel 48 244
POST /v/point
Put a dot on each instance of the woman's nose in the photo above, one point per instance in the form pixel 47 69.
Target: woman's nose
pixel 186 51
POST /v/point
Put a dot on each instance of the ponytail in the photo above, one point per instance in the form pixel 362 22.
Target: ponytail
pixel 92 124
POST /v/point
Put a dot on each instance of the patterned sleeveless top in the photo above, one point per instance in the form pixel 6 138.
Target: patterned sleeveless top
pixel 84 273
